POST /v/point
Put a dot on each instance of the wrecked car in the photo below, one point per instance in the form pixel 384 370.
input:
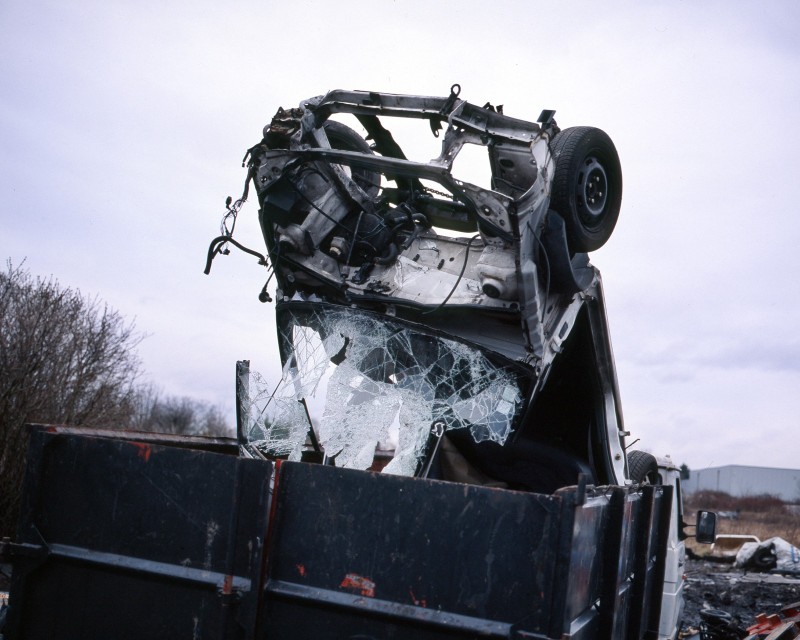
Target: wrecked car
pixel 433 328
pixel 409 298
pixel 444 455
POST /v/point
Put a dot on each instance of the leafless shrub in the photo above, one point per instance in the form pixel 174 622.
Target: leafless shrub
pixel 721 501
pixel 64 358
pixel 177 415
pixel 765 516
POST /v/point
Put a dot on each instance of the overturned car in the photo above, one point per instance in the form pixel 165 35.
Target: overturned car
pixel 418 311
pixel 452 338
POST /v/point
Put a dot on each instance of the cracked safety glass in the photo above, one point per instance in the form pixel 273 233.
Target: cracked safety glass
pixel 371 393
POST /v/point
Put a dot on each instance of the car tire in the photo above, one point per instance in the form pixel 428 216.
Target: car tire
pixel 643 468
pixel 344 138
pixel 764 559
pixel 587 186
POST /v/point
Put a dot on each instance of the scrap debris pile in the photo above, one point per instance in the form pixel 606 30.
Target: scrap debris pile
pixel 723 603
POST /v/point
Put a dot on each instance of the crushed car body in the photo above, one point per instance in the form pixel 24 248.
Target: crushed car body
pixel 417 303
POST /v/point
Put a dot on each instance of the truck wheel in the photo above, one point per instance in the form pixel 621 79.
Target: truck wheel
pixel 344 138
pixel 643 468
pixel 587 186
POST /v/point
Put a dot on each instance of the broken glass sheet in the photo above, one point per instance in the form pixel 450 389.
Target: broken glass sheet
pixel 371 385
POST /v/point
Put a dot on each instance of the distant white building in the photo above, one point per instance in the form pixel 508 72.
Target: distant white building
pixel 739 480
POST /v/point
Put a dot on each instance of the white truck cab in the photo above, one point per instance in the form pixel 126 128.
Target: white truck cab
pixel 674 578
pixel 645 468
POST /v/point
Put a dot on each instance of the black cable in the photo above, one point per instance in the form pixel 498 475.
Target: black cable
pixel 214 249
pixel 390 256
pixel 264 296
pixel 233 211
pixel 355 237
pixel 460 275
pixel 508 183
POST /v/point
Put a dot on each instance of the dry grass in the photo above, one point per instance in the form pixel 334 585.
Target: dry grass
pixel 764 516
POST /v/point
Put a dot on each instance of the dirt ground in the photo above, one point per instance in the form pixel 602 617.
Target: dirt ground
pixel 713 585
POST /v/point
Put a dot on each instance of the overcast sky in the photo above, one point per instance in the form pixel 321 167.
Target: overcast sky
pixel 123 125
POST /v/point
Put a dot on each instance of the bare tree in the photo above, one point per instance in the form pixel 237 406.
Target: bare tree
pixel 64 358
pixel 177 415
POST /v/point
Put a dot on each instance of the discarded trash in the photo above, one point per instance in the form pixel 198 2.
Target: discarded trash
pixel 719 625
pixel 774 554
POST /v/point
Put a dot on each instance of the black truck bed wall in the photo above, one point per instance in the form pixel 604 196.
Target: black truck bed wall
pixel 127 539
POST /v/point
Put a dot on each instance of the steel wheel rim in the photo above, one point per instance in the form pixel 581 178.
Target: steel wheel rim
pixel 592 191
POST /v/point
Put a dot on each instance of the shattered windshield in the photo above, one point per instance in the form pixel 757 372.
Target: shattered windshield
pixel 374 387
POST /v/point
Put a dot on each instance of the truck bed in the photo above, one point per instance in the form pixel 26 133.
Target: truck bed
pixel 129 539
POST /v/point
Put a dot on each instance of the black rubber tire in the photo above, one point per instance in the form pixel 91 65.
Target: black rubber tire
pixel 764 559
pixel 344 138
pixel 587 186
pixel 643 468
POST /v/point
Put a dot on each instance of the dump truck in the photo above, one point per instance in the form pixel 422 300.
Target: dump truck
pixel 443 455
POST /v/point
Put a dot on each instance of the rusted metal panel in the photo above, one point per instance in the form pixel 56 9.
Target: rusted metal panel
pixel 371 553
pixel 126 539
pixel 387 556
pixel 586 565
pixel 129 539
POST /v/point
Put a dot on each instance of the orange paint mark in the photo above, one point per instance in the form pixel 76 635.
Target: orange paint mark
pixel 144 450
pixel 359 583
pixel 420 603
pixel 227 585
